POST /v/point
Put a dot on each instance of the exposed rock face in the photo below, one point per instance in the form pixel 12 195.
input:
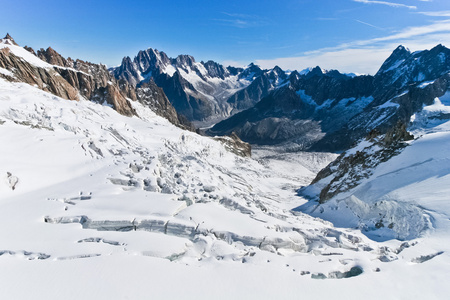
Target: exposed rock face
pixel 342 109
pixel 234 144
pixel 70 79
pixel 113 96
pixel 215 70
pixel 289 114
pixel 403 67
pixel 249 96
pixel 92 81
pixel 185 98
pixel 200 91
pixel 8 40
pixel 11 180
pixel 44 79
pixel 269 121
pixel 52 57
pixel 29 49
pixel 153 96
pixel 347 171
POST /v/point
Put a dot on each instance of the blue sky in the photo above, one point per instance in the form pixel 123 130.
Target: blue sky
pixel 348 35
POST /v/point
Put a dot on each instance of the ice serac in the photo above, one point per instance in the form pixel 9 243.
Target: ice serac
pixel 136 200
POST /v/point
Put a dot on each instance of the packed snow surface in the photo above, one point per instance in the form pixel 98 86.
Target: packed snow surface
pixel 95 205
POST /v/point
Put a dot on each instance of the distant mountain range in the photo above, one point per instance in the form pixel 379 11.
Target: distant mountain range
pixel 313 110
pixel 329 111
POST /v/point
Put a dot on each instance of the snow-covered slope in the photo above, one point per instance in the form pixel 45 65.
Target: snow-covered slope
pixel 392 190
pixel 95 204
pixel 100 205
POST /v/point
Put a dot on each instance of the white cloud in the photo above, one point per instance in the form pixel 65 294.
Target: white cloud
pixel 445 13
pixel 416 31
pixel 365 56
pixel 241 20
pixel 386 3
pixel 362 61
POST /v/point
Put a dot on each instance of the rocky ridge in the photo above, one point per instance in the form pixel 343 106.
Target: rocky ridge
pixel 347 171
pixel 76 79
pixel 201 91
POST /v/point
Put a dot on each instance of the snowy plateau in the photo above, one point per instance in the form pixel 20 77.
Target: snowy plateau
pixel 98 205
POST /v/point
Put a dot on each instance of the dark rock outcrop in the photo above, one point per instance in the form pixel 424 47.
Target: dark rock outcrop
pixel 352 166
pixel 234 144
pixel 8 40
pixel 93 81
pixel 45 79
pixel 152 96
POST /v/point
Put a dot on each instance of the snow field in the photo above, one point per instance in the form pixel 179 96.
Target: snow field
pixel 111 207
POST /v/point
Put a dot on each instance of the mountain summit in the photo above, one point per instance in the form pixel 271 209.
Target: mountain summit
pixel 8 40
pixel 202 91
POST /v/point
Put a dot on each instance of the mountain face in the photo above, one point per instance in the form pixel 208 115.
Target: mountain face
pixel 390 185
pixel 76 79
pixel 201 91
pixel 341 109
pixel 290 114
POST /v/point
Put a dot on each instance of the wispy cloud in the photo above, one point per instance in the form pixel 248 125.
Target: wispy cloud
pixel 445 13
pixel 366 56
pixel 368 24
pixel 409 33
pixel 392 4
pixel 327 19
pixel 241 20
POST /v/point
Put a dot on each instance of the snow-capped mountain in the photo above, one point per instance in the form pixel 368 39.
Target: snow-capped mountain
pixel 330 111
pixel 290 114
pixel 97 203
pixel 201 91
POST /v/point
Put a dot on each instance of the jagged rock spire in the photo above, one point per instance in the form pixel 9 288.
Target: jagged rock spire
pixel 8 39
